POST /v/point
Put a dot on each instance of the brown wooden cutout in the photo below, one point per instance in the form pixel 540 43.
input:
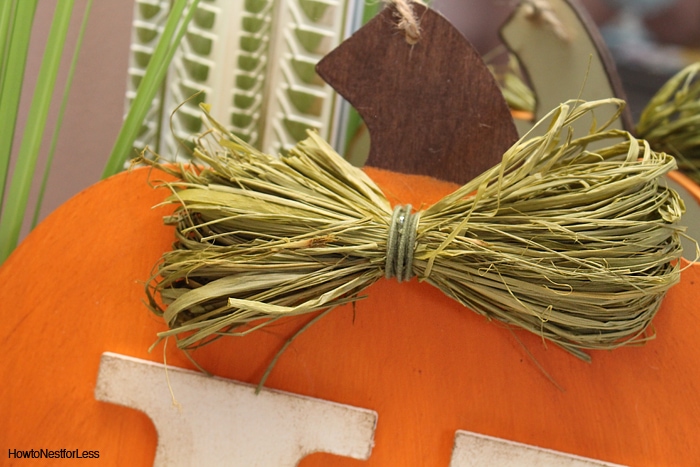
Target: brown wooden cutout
pixel 432 108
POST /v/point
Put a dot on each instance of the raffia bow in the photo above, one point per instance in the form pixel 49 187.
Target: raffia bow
pixel 575 244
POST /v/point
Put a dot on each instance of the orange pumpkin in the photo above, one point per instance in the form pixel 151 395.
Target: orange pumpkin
pixel 74 289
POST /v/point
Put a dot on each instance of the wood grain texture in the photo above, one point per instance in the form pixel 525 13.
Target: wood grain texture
pixel 432 108
pixel 74 289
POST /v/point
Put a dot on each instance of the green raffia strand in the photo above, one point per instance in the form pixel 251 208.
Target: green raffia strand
pixel 174 30
pixel 671 120
pixel 18 194
pixel 575 244
pixel 14 59
pixel 61 112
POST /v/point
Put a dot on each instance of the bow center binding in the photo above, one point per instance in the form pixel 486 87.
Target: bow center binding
pixel 401 243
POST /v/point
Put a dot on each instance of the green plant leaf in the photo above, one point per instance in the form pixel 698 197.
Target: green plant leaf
pixel 61 112
pixel 18 194
pixel 6 15
pixel 175 29
pixel 14 58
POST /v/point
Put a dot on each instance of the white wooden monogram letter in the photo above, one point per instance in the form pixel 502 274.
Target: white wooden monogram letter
pixel 223 422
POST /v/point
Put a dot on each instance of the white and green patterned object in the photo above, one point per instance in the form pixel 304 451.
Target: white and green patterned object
pixel 253 61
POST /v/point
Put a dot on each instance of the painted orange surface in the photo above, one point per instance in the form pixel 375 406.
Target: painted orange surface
pixel 74 289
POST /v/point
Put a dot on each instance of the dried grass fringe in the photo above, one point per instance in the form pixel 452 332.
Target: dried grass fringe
pixel 671 120
pixel 574 244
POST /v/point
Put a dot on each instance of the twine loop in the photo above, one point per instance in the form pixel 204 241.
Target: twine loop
pixel 407 20
pixel 401 243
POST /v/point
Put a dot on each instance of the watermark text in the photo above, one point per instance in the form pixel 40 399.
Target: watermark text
pixel 52 454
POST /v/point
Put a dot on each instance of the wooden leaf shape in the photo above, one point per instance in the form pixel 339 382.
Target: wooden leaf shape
pixel 564 57
pixel 432 108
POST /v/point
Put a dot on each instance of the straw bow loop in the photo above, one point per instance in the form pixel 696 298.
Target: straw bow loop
pixel 572 237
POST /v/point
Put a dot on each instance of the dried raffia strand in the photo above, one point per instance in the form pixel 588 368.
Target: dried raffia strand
pixel 576 245
pixel 406 20
pixel 671 120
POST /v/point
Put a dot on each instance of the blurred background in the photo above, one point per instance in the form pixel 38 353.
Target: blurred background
pixel 649 39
